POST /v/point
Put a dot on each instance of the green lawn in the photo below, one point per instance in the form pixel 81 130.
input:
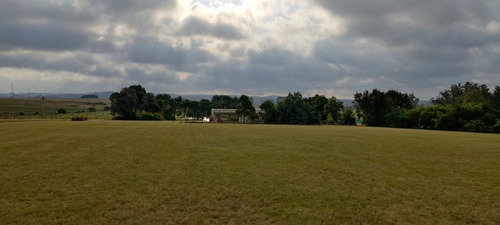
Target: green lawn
pixel 117 172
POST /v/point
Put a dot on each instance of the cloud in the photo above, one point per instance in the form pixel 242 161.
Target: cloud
pixel 151 51
pixel 250 47
pixel 115 7
pixel 195 26
pixel 53 36
pixel 426 22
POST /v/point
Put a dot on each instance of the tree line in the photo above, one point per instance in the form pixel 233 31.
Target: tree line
pixel 295 109
pixel 462 107
pixel 134 103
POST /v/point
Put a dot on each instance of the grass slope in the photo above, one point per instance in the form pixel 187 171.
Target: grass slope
pixel 116 172
pixel 34 108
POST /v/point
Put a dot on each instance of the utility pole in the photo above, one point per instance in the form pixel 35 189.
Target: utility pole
pixel 11 90
pixel 43 106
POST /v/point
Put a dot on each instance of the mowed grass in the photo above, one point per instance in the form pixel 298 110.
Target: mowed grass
pixel 118 172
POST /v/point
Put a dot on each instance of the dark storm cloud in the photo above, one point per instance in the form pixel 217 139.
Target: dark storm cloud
pixel 71 63
pixel 353 56
pixel 44 25
pixel 421 43
pixel 132 6
pixel 411 70
pixel 273 57
pixel 428 21
pixel 150 51
pixel 80 62
pixel 415 46
pixel 195 26
pixel 138 14
pixel 270 71
pixel 56 26
pixel 441 55
pixel 152 76
pixel 53 36
pixel 63 11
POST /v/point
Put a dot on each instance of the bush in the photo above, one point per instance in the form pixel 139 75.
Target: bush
pixel 412 117
pixel 150 116
pixel 169 117
pixel 396 118
pixel 79 118
pixel 429 116
pixel 450 120
pixel 91 109
pixel 62 111
pixel 475 126
pixel 496 128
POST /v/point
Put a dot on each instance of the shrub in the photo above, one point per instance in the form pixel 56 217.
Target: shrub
pixel 91 109
pixel 169 117
pixel 429 116
pixel 396 118
pixel 62 111
pixel 150 116
pixel 412 117
pixel 475 126
pixel 79 118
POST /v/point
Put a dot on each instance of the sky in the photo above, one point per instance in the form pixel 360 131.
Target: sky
pixel 253 47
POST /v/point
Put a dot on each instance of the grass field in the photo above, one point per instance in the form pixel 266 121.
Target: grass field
pixel 35 108
pixel 117 172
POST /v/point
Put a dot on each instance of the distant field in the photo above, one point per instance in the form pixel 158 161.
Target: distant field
pixel 118 172
pixel 35 108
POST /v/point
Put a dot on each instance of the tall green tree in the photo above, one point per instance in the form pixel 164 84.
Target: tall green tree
pixel 495 98
pixel 152 105
pixel 294 110
pixel 457 93
pixel 129 102
pixel 333 107
pixel 375 106
pixel 224 102
pixel 474 96
pixel 317 105
pixel 372 107
pixel 245 107
pixel 204 108
pixel 347 117
pixel 167 106
pixel 187 108
pixel 269 112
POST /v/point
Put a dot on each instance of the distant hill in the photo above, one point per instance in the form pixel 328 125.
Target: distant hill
pixel 257 100
pixel 101 95
pixel 425 103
